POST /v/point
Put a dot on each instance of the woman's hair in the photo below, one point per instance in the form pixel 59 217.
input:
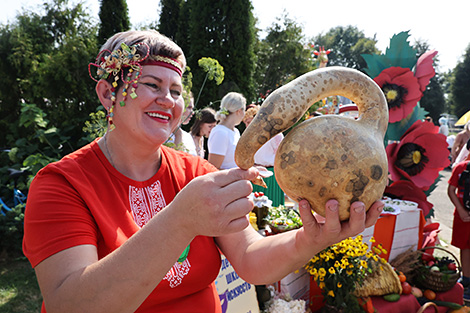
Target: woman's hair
pixel 158 45
pixel 231 102
pixel 207 115
pixel 467 126
pixel 251 112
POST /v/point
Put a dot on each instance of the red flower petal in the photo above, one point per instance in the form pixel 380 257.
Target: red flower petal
pixel 424 135
pixel 424 70
pixel 406 190
pixel 401 77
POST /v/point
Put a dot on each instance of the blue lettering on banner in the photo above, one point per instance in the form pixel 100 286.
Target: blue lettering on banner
pixel 225 264
pixel 237 291
pixel 231 277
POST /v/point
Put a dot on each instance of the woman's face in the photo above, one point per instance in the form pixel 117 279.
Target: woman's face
pixel 248 120
pixel 240 114
pixel 206 129
pixel 156 112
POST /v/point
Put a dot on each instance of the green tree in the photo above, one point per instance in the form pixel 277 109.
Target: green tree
pixel 282 55
pixel 44 61
pixel 170 17
pixel 114 18
pixel 460 85
pixel 347 43
pixel 223 31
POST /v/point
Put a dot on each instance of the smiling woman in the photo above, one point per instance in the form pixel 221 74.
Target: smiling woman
pixel 126 224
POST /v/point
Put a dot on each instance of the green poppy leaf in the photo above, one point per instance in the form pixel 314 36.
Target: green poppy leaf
pixel 396 130
pixel 400 53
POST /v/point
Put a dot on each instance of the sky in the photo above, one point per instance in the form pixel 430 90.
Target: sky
pixel 444 25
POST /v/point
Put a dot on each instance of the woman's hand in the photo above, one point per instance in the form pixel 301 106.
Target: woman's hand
pixel 464 214
pixel 322 235
pixel 215 204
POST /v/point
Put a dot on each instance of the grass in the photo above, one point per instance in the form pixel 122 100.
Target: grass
pixel 19 290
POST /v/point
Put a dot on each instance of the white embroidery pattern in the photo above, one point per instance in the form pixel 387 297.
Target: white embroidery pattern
pixel 145 203
pixel 176 274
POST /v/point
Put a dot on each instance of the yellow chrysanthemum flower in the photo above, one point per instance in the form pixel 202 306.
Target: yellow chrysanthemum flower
pixel 331 270
pixel 331 293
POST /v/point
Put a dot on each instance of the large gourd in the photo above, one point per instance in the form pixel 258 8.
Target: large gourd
pixel 326 157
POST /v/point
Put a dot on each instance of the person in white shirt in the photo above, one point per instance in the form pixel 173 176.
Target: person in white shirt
pixel 265 157
pixel 224 137
pixel 443 128
pixel 180 138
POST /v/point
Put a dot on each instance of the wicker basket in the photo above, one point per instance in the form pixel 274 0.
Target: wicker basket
pixel 381 281
pixel 437 281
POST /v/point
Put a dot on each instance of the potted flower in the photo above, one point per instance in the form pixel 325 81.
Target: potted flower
pixel 340 269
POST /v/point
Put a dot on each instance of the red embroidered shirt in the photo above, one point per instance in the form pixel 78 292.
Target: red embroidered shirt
pixel 83 199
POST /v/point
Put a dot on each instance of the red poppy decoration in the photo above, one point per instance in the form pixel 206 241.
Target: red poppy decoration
pixel 424 69
pixel 406 190
pixel 401 89
pixel 419 156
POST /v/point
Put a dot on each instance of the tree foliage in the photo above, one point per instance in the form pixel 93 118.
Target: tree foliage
pixel 347 43
pixel 223 31
pixel 45 60
pixel 282 55
pixel 460 85
pixel 170 18
pixel 114 16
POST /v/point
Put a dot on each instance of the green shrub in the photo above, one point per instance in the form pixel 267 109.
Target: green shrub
pixel 11 232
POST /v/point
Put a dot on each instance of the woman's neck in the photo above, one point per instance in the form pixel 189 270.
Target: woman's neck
pixel 199 142
pixel 137 164
pixel 230 121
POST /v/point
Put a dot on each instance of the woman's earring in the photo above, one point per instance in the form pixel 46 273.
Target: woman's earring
pixel 110 118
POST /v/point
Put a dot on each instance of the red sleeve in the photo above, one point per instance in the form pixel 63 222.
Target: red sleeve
pixel 456 171
pixel 56 217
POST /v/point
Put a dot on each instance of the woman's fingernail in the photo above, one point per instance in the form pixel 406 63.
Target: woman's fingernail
pixel 359 208
pixel 333 207
pixel 380 208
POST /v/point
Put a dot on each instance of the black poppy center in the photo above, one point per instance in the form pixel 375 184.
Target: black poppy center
pixel 411 158
pixel 394 94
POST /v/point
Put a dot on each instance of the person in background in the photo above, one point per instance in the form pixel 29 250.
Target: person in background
pixel 461 223
pixel 181 139
pixel 224 137
pixel 443 127
pixel 201 128
pixel 460 141
pixel 463 155
pixel 126 224
pixel 265 157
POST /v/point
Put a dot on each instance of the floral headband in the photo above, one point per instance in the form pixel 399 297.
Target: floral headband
pixel 127 57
